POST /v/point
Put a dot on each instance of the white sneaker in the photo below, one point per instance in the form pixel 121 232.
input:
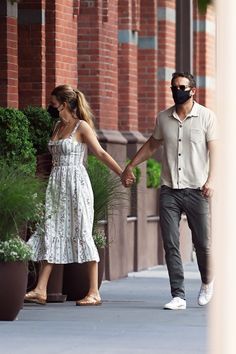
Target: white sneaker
pixel 206 293
pixel 176 304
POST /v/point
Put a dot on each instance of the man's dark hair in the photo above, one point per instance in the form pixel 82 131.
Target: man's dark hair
pixel 192 82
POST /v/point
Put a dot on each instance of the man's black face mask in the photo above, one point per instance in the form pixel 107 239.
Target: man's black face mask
pixel 53 111
pixel 180 96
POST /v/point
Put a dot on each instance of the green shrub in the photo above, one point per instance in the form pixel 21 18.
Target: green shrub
pixel 15 145
pixel 20 195
pixel 153 173
pixel 40 127
pixel 106 189
pixel 203 4
pixel 100 239
pixel 14 249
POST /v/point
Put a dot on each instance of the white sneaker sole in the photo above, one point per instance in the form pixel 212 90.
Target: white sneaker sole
pixel 182 307
pixel 202 305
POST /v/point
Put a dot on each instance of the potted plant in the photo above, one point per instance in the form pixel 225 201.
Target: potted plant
pixel 20 194
pixel 106 189
pixel 40 128
pixel 203 5
pixel 16 146
pixel 14 254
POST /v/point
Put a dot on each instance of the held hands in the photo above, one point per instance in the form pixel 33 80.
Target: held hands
pixel 127 177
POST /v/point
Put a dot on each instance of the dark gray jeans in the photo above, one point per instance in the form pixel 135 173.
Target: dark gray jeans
pixel 174 202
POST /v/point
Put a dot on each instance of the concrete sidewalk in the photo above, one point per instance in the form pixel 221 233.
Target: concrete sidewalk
pixel 131 320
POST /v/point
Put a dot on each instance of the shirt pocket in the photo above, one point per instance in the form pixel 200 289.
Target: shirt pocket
pixel 196 135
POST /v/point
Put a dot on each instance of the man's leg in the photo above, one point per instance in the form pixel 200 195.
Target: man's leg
pixel 170 215
pixel 197 210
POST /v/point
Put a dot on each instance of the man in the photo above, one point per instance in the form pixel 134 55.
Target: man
pixel 188 134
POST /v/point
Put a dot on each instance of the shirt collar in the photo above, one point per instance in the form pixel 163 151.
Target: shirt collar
pixel 194 111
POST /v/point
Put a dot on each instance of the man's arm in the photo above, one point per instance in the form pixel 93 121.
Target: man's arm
pixel 208 188
pixel 146 151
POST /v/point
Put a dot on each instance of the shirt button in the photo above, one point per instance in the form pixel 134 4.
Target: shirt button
pixel 179 139
pixel 180 126
pixel 179 154
pixel 179 169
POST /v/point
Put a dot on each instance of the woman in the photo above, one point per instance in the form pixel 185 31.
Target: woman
pixel 67 237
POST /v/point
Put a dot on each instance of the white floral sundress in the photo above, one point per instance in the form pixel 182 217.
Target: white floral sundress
pixel 67 232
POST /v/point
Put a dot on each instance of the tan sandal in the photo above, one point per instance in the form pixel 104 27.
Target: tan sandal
pixel 89 300
pixel 35 298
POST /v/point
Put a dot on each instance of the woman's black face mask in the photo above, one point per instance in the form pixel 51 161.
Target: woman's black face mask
pixel 53 111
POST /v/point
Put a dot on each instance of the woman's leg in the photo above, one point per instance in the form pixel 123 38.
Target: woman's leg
pixel 93 297
pixel 44 274
pixel 93 278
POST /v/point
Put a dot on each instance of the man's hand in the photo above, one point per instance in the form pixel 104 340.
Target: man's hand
pixel 127 177
pixel 146 151
pixel 208 189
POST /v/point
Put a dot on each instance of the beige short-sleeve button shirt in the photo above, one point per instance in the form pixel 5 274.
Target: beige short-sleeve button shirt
pixel 185 162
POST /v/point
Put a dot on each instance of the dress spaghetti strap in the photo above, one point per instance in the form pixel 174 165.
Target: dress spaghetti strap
pixel 55 127
pixel 75 128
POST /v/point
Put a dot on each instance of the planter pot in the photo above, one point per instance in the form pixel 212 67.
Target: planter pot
pixel 44 165
pixel 55 283
pixel 33 272
pixel 76 280
pixel 13 280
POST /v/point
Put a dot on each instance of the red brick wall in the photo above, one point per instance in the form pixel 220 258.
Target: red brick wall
pixel 204 56
pixel 98 59
pixel 147 66
pixel 31 59
pixel 166 51
pixel 66 42
pixel 127 64
pixel 47 48
pixel 120 53
pixel 8 57
pixel 61 44
pixel 108 113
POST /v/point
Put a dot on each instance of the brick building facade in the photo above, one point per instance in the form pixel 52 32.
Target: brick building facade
pixel 121 54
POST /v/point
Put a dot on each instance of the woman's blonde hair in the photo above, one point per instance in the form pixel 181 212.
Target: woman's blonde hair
pixel 76 101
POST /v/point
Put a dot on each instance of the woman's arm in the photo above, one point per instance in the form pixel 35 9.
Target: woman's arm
pixel 89 137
